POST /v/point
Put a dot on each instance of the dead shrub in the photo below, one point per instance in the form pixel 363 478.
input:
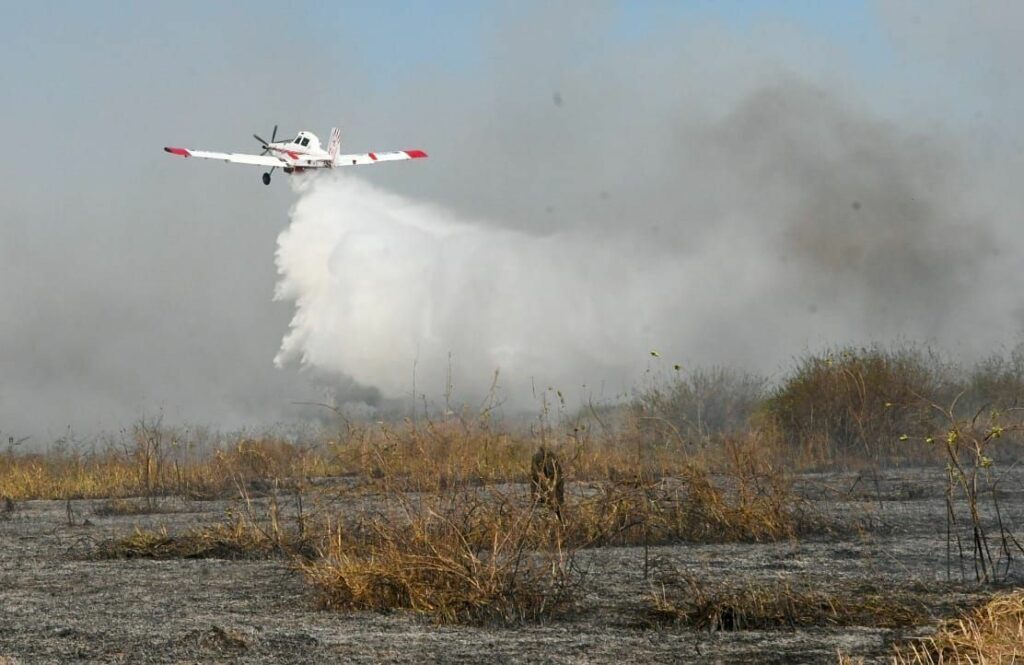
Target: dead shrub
pixel 856 402
pixel 996 382
pixel 456 559
pixel 698 405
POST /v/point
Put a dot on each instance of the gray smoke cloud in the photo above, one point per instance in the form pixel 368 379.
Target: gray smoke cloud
pixel 720 195
pixel 808 221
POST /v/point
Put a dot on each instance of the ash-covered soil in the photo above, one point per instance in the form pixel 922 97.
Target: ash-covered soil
pixel 59 605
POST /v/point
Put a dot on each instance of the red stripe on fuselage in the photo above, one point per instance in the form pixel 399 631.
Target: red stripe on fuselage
pixel 291 153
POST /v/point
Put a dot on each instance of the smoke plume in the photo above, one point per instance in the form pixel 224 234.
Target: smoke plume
pixel 799 220
pixel 606 179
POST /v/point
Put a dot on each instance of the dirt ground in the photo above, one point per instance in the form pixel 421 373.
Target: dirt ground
pixel 59 605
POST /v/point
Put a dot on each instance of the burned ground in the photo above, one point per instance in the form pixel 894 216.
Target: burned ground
pixel 60 603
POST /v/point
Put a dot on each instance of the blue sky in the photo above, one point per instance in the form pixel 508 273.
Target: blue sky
pixel 74 64
pixel 80 65
pixel 387 38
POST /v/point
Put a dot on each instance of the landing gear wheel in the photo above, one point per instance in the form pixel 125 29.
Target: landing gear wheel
pixel 266 178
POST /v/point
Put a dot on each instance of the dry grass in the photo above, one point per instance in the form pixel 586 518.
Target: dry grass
pixel 849 406
pixel 213 542
pixel 118 473
pixel 750 501
pixel 465 559
pixel 454 534
pixel 992 633
pixel 783 604
pixel 119 506
pixel 425 457
pixel 449 529
pixel 468 557
pixel 247 532
pixel 55 476
pixel 475 554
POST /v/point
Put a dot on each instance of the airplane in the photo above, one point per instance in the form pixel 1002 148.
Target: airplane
pixel 300 154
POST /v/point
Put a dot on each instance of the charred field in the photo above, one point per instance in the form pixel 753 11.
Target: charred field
pixel 750 535
pixel 62 603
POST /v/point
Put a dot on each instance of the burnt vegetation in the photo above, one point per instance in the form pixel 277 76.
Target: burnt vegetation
pixel 466 520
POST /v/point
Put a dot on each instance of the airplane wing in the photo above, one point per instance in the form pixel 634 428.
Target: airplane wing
pixel 374 157
pixel 233 157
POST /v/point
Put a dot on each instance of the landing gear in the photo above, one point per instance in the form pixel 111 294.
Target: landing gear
pixel 266 178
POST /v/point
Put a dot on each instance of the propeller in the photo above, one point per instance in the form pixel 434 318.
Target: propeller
pixel 266 146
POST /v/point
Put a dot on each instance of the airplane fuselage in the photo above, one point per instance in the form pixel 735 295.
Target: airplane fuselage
pixel 302 152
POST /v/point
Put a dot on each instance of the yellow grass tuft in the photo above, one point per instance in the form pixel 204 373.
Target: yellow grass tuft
pixel 781 604
pixel 464 561
pixel 992 633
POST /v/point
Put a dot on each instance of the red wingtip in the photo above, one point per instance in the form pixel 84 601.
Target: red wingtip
pixel 178 151
pixel 416 154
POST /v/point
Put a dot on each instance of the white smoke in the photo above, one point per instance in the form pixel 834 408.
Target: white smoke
pixel 849 233
pixel 383 285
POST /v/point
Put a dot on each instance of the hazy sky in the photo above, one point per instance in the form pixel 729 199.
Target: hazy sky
pixel 732 134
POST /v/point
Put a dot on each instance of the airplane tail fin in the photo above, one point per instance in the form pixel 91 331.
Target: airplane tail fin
pixel 335 143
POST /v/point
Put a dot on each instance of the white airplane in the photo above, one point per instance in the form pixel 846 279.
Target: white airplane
pixel 300 153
